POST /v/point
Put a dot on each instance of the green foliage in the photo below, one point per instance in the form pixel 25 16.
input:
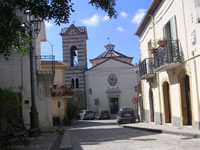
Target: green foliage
pixel 9 98
pixel 105 5
pixel 14 36
pixel 195 136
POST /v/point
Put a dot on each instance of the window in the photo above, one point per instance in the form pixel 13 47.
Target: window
pixel 197 4
pixel 72 83
pixel 74 56
pixel 169 30
pixel 77 83
pixel 193 37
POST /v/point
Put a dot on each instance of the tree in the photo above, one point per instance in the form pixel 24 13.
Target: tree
pixel 13 36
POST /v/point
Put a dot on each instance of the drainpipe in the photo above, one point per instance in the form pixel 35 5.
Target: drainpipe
pixel 185 28
pixel 153 26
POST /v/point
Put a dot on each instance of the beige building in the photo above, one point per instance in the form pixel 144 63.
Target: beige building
pixel 59 93
pixel 170 76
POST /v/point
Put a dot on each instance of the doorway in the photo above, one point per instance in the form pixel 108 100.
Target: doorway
pixel 151 104
pixel 186 100
pixel 114 105
pixel 167 105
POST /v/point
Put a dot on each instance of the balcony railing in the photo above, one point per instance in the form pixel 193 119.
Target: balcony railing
pixel 45 64
pixel 146 68
pixel 168 56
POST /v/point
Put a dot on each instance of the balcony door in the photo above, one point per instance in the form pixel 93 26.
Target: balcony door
pixel 170 33
pixel 170 29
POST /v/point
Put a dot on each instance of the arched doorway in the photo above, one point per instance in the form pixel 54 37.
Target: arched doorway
pixel 167 105
pixel 186 100
pixel 151 105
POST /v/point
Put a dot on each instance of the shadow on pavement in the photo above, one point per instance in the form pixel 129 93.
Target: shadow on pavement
pixel 92 123
pixel 82 134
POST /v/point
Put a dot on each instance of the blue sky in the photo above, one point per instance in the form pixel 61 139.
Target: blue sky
pixel 100 27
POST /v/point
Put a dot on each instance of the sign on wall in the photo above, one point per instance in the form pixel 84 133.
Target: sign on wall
pixel 135 100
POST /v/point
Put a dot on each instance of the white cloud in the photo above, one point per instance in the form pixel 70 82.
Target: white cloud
pixel 123 14
pixel 139 15
pixel 120 29
pixel 92 21
pixel 48 24
pixel 106 18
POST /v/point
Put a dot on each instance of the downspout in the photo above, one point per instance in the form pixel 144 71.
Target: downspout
pixel 185 28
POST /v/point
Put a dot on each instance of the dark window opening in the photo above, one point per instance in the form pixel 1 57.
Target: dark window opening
pixel 72 84
pixel 77 83
pixel 74 56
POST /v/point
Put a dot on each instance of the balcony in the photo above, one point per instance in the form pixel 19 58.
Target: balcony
pixel 45 65
pixel 168 56
pixel 146 69
pixel 61 91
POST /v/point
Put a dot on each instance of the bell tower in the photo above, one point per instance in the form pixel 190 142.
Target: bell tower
pixel 75 56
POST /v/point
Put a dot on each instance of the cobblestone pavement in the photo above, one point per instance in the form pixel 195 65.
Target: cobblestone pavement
pixel 107 135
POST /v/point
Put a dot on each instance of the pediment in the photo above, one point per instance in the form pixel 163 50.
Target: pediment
pixel 72 30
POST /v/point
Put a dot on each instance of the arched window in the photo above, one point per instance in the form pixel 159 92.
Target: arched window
pixel 77 83
pixel 72 83
pixel 74 56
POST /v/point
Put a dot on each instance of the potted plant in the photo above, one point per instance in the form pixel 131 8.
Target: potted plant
pixel 153 48
pixel 162 42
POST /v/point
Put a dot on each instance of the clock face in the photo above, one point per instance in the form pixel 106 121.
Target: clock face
pixel 112 79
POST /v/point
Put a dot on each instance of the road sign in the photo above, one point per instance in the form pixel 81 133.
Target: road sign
pixel 135 100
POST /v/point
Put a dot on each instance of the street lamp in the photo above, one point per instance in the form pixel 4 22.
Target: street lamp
pixel 33 24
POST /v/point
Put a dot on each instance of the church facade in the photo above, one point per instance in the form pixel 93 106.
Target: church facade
pixel 111 81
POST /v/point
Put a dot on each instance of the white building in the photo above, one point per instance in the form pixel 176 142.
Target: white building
pixel 111 81
pixel 15 73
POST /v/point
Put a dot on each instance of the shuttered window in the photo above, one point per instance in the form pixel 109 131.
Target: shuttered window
pixel 170 30
pixel 197 5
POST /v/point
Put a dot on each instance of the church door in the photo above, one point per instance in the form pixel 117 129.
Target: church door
pixel 114 105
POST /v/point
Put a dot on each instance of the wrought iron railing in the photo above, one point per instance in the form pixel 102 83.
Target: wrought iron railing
pixel 167 54
pixel 45 64
pixel 146 66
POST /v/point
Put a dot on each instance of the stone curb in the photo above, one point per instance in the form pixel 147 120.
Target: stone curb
pixel 66 143
pixel 144 129
pixel 164 131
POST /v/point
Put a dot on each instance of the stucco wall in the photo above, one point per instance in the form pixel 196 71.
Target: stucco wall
pixel 16 73
pixel 59 77
pixel 186 22
pixel 97 80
